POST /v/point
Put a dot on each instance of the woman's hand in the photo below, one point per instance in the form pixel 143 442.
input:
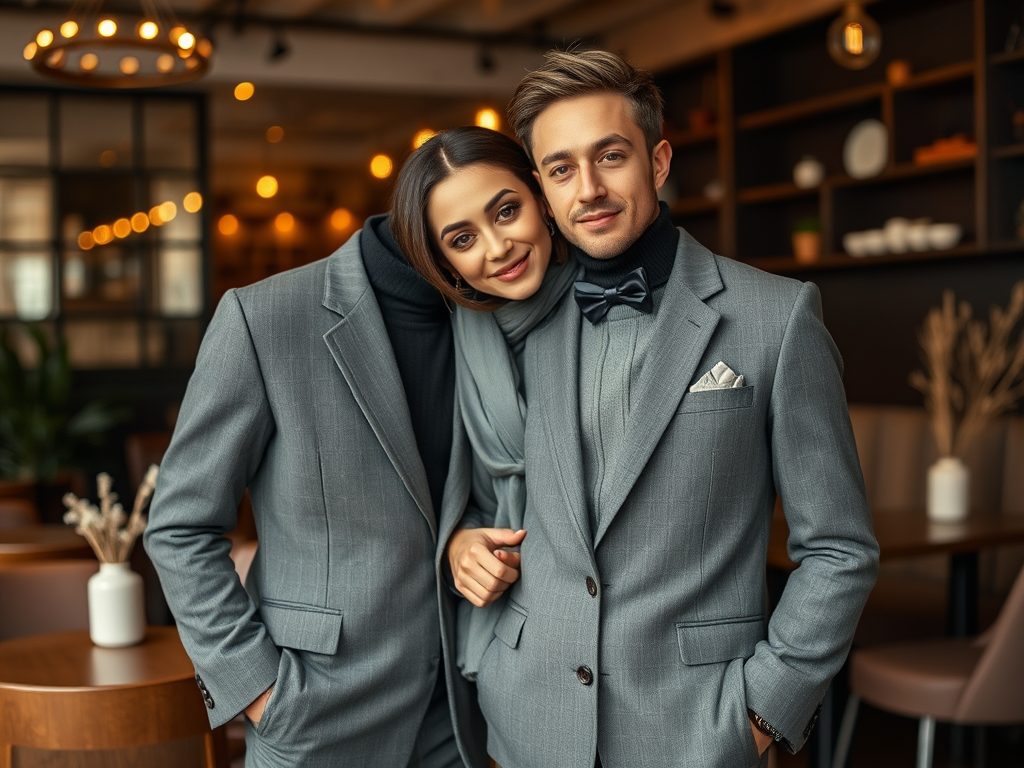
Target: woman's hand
pixel 481 569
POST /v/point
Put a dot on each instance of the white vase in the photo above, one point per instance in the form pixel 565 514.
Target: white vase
pixel 948 490
pixel 117 615
pixel 808 173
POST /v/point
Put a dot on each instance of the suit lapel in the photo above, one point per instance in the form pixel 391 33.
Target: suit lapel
pixel 683 328
pixel 361 348
pixel 554 354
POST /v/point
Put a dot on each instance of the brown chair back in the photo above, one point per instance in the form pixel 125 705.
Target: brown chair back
pixel 995 691
pixel 17 513
pixel 44 596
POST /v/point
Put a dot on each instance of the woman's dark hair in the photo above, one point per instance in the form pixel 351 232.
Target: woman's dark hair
pixel 436 160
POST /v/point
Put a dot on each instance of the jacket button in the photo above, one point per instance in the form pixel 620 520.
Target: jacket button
pixel 585 675
pixel 591 586
pixel 209 702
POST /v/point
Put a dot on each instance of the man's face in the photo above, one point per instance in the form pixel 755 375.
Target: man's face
pixel 600 183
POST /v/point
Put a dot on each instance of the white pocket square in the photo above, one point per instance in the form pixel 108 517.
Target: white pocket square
pixel 719 377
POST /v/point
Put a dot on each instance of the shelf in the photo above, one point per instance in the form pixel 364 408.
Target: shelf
pixel 1010 150
pixel 789 264
pixel 938 76
pixel 686 206
pixel 1006 58
pixel 820 105
pixel 685 138
pixel 768 193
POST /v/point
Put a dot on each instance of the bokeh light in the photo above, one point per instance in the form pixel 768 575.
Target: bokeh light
pixel 102 234
pixel 266 186
pixel 284 222
pixel 488 118
pixel 122 228
pixel 193 202
pixel 44 38
pixel 227 224
pixel 422 137
pixel 275 133
pixel 69 29
pixel 341 219
pixel 244 91
pixel 86 241
pixel 140 222
pixel 148 30
pixel 381 166
pixel 107 28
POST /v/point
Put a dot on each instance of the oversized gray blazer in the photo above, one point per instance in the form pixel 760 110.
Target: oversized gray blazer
pixel 658 666
pixel 296 395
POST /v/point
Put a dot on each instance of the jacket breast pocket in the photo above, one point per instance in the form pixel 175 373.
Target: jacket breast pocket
pixel 717 400
pixel 509 627
pixel 300 626
pixel 711 642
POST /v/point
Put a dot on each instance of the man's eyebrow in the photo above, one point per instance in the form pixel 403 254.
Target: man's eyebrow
pixel 597 146
pixel 450 227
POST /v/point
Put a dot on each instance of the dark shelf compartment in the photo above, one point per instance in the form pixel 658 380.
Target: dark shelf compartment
pixel 769 193
pixel 688 206
pixel 1010 150
pixel 903 171
pixel 940 75
pixel 810 107
pixel 1012 57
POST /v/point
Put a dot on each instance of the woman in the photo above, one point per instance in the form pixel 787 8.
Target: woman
pixel 469 215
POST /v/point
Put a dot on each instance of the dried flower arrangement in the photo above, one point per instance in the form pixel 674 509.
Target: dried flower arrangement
pixel 101 526
pixel 973 372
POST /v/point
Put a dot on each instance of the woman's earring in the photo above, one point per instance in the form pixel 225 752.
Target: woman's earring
pixel 458 283
pixel 551 227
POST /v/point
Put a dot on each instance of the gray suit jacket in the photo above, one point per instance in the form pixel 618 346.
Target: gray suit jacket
pixel 296 395
pixel 656 660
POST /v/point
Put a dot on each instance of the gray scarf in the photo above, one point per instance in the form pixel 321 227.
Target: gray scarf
pixel 494 412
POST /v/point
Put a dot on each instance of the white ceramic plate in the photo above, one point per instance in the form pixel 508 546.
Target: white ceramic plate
pixel 866 149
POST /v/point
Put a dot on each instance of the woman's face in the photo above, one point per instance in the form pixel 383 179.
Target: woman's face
pixel 490 229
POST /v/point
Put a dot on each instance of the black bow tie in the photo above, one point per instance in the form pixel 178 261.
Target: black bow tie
pixel 595 301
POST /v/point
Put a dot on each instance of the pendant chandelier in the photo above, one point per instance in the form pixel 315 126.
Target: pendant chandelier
pixel 108 50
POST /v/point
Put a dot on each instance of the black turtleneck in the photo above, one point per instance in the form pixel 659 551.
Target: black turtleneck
pixel 419 327
pixel 654 250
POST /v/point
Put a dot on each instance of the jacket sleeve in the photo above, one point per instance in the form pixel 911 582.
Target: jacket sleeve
pixel 818 477
pixel 223 428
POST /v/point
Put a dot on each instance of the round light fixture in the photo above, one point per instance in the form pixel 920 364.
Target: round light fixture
pixel 102 234
pixel 227 224
pixel 193 202
pixel 30 51
pixel 69 29
pixel 140 222
pixel 168 211
pixel 107 28
pixel 122 228
pixel 854 39
pixel 44 38
pixel 381 166
pixel 341 219
pixel 148 30
pixel 244 91
pixel 284 222
pixel 154 216
pixel 422 137
pixel 89 62
pixel 86 241
pixel 488 118
pixel 266 186
pixel 275 133
pixel 129 65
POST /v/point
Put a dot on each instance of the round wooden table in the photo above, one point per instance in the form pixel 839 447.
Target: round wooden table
pixel 60 692
pixel 41 542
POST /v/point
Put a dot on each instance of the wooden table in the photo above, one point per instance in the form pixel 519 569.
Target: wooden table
pixel 903 534
pixel 60 692
pixel 41 542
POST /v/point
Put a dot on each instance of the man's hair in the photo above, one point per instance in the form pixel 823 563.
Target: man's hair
pixel 568 74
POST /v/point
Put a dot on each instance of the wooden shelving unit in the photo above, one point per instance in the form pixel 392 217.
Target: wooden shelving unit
pixel 781 98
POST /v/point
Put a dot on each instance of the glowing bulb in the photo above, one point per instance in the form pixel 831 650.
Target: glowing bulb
pixel 107 28
pixel 102 234
pixel 140 222
pixel 68 29
pixel 341 219
pixel 30 51
pixel 488 118
pixel 44 38
pixel 227 224
pixel 193 202
pixel 275 133
pixel 175 34
pixel 56 59
pixel 266 186
pixel 422 137
pixel 129 65
pixel 122 228
pixel 381 166
pixel 244 91
pixel 186 40
pixel 148 30
pixel 89 62
pixel 854 38
pixel 191 63
pixel 86 241
pixel 204 48
pixel 164 63
pixel 284 222
pixel 154 216
pixel 168 211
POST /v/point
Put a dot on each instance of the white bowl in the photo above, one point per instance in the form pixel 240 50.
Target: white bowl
pixel 853 244
pixel 896 234
pixel 917 234
pixel 874 242
pixel 944 236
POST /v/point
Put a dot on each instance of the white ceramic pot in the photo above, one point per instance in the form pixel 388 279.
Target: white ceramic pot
pixel 948 490
pixel 873 241
pixel 853 244
pixel 943 236
pixel 117 614
pixel 808 173
pixel 917 234
pixel 895 230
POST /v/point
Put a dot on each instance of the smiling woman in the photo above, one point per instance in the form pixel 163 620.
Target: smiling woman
pixel 467 209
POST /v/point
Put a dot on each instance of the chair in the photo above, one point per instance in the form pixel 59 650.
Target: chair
pixel 966 681
pixel 42 596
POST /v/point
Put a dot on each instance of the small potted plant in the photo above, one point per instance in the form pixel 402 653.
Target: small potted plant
pixel 807 240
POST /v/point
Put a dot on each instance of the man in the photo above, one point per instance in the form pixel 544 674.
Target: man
pixel 328 391
pixel 669 400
